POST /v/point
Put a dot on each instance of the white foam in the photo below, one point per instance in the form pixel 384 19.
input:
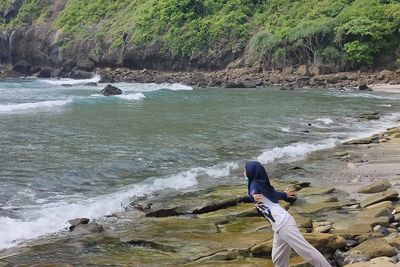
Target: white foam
pixel 94 79
pixel 52 218
pixel 285 129
pixel 136 96
pixel 176 87
pixel 295 150
pixel 364 95
pixel 385 105
pixel 34 105
pixel 325 121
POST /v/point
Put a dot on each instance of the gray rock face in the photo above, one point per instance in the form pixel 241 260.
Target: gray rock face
pixel 85 65
pixel 22 67
pixel 110 90
pixel 45 73
pixel 80 74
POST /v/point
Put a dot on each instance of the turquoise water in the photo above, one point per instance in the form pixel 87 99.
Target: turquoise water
pixel 68 152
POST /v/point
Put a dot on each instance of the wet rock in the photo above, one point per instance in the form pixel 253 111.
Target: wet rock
pixel 83 227
pixel 69 65
pixel 90 84
pixel 110 90
pixel 85 65
pixel 379 197
pixel 375 187
pixel 364 87
pixel 196 202
pixel 370 116
pixel 34 69
pixel 45 72
pixel 22 67
pixel 76 222
pixel 363 141
pixel 351 243
pixel 384 231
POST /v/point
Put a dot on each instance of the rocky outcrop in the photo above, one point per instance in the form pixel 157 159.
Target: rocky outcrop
pixel 110 90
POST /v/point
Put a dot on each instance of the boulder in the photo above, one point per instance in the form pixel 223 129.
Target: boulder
pixel 45 72
pixel 110 90
pixel 372 248
pixel 35 69
pixel 376 187
pixel 364 87
pixel 85 65
pixel 22 67
pixel 57 72
pixel 80 74
pixel 377 210
pixel 379 197
pixel 69 65
pixel 303 70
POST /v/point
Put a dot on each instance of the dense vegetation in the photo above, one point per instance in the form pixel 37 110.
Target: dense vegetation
pixel 338 33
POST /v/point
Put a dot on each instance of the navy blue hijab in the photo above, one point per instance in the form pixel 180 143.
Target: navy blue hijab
pixel 258 182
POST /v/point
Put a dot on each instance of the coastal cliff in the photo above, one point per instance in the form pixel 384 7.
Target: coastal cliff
pixel 193 35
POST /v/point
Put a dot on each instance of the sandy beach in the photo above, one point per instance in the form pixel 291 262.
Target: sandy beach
pixel 388 88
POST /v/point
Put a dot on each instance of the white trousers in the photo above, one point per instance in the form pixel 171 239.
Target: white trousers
pixel 288 237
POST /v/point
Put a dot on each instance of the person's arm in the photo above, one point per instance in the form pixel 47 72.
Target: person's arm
pixel 287 195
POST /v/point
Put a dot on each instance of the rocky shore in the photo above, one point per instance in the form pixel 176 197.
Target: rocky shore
pixel 352 226
pixel 287 78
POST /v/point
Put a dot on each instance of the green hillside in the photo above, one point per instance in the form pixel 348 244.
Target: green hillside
pixel 338 33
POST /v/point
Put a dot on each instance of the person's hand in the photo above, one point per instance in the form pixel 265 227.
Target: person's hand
pixel 257 197
pixel 291 193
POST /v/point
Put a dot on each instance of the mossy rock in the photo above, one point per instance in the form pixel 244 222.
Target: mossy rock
pixel 379 197
pixel 373 248
pixel 315 191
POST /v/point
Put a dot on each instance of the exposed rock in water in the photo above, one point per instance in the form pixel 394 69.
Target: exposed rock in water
pixel 364 87
pixel 110 90
pixel 81 226
pixel 90 84
pixel 76 222
pixel 370 116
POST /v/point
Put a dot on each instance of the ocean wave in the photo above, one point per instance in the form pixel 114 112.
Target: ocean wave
pixel 94 79
pixel 53 218
pixel 285 129
pixel 295 150
pixel 34 105
pixel 363 95
pixel 136 96
pixel 325 121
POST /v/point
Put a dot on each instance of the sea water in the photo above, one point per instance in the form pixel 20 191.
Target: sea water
pixel 68 152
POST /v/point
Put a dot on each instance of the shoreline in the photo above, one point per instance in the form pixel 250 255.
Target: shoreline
pixel 287 78
pixel 352 161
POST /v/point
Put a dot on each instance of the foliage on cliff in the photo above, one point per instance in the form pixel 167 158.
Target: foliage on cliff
pixel 338 33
